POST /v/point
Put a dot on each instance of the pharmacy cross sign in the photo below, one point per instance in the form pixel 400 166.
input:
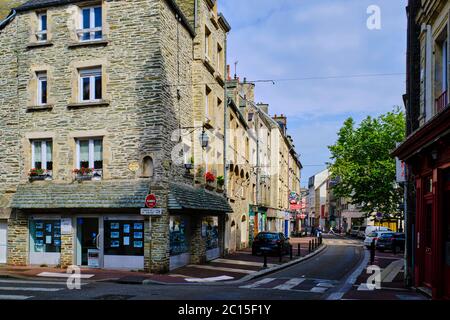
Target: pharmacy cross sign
pixel 150 201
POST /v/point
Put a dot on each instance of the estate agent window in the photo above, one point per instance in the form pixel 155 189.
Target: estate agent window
pixel 179 242
pixel 41 155
pixel 124 238
pixel 90 24
pixel 41 35
pixel 45 236
pixel 90 85
pixel 90 155
pixel 42 88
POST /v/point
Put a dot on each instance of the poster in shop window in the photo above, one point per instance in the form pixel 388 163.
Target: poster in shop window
pixel 126 228
pixel 126 241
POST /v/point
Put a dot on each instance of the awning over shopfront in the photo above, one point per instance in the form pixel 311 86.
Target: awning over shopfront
pixel 123 194
pixel 185 197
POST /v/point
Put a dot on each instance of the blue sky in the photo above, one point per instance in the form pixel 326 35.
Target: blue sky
pixel 285 39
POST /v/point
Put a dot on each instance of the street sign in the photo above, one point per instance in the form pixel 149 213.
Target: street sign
pixel 150 201
pixel 151 212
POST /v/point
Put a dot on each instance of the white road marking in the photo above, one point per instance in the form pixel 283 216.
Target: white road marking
pixel 325 285
pixel 391 271
pixel 30 289
pixel 14 297
pixel 318 290
pixel 258 283
pixel 213 279
pixel 242 263
pixel 64 275
pixel 288 285
pixel 222 269
pixel 63 283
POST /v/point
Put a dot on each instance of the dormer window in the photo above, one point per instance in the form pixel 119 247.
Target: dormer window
pixel 41 34
pixel 90 24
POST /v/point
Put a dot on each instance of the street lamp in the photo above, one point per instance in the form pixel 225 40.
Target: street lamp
pixel 204 139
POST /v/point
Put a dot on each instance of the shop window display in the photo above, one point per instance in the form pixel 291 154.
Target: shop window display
pixel 45 236
pixel 178 236
pixel 124 238
pixel 212 233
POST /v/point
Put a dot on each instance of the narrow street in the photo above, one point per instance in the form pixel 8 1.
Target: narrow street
pixel 312 279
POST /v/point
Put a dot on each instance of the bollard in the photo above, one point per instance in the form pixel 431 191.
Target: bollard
pixel 309 248
pixel 265 259
pixel 320 240
pixel 394 247
pixel 298 250
pixel 372 252
pixel 290 251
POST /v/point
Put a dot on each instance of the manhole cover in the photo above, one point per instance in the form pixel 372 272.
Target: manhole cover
pixel 114 297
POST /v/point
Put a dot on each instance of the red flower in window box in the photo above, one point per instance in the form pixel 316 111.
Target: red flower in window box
pixel 83 171
pixel 210 177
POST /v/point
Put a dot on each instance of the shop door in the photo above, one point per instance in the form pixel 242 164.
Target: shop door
pixel 3 227
pixel 89 248
pixel 428 245
pixel 233 237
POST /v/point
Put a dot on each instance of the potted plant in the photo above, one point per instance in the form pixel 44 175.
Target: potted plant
pixel 38 174
pixel 210 178
pixel 220 184
pixel 83 173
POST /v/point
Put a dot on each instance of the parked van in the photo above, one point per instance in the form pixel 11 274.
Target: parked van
pixel 370 229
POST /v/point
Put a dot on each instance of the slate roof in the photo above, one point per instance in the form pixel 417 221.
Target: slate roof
pixel 36 4
pixel 123 194
pixel 182 196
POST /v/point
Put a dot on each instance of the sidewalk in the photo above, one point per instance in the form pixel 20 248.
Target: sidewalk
pixel 392 281
pixel 234 266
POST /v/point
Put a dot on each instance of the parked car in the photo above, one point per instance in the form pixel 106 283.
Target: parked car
pixel 375 235
pixel 370 229
pixel 354 231
pixel 270 242
pixel 387 241
pixel 362 232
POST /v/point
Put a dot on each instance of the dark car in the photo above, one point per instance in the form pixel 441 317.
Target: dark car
pixel 271 242
pixel 389 241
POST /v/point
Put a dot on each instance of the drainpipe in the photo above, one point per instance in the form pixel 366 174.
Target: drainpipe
pixel 225 140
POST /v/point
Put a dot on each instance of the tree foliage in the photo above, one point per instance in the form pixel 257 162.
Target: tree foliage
pixel 363 166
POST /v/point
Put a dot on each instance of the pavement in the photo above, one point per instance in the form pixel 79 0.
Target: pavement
pixel 240 265
pixel 388 272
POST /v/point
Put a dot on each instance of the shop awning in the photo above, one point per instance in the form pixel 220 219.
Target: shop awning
pixel 123 194
pixel 186 197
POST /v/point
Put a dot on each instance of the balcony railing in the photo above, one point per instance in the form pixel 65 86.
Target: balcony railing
pixel 442 102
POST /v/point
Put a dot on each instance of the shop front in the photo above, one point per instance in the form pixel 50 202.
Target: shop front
pixel 197 225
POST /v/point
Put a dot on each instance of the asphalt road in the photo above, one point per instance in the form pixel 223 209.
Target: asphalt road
pixel 312 279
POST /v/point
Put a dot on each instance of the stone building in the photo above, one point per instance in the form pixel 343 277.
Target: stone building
pixel 93 97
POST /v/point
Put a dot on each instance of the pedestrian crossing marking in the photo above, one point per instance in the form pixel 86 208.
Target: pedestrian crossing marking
pixel 30 289
pixel 14 297
pixel 290 284
pixel 258 283
pixel 318 290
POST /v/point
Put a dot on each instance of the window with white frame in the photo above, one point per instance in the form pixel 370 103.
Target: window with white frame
pixel 90 24
pixel 89 155
pixel 41 155
pixel 41 34
pixel 41 88
pixel 90 85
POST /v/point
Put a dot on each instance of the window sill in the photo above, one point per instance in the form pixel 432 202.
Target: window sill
pixel 208 65
pixel 220 79
pixel 94 104
pixel 39 44
pixel 46 107
pixel 88 43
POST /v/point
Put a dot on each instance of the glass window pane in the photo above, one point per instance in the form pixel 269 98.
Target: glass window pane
pixel 86 89
pixel 98 154
pixel 44 22
pixel 86 18
pixel 84 153
pixel 43 91
pixel 98 87
pixel 49 155
pixel 98 17
pixel 37 154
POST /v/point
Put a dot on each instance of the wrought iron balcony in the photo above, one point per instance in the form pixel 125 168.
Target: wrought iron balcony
pixel 442 102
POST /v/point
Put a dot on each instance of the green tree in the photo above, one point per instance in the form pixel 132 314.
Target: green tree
pixel 6 5
pixel 362 164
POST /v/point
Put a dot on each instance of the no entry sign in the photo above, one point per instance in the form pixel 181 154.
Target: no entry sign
pixel 150 201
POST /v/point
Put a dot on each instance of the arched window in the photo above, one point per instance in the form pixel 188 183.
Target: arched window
pixel 147 167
